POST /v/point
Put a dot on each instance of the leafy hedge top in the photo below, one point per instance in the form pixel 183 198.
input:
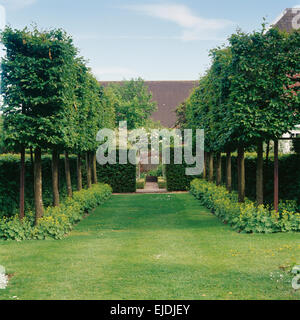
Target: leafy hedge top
pixel 37 75
pixel 51 99
pixel 247 95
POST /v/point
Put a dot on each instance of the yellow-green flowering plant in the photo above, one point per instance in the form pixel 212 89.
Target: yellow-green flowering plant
pixel 244 217
pixel 57 221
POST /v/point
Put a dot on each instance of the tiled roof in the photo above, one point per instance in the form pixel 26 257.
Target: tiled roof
pixel 287 20
pixel 168 95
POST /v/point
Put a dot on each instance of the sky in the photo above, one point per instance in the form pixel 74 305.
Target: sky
pixel 154 40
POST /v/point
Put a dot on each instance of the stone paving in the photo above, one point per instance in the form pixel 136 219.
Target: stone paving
pixel 151 187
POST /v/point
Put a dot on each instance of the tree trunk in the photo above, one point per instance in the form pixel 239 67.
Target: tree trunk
pixel 204 175
pixel 268 154
pixel 219 169
pixel 94 168
pixel 55 174
pixel 211 167
pixel 79 173
pixel 32 160
pixel 259 174
pixel 88 170
pixel 22 184
pixel 38 194
pixel 31 157
pixel 228 172
pixel 68 175
pixel 241 173
pixel 276 170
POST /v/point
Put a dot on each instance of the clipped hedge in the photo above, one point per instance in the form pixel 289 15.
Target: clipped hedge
pixel 10 182
pixel 289 177
pixel 176 177
pixel 244 217
pixel 57 221
pixel 122 178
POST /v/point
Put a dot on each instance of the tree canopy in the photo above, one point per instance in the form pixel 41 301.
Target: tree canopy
pixel 133 102
pixel 248 94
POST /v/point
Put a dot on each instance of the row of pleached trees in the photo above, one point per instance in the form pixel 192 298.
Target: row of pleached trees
pixel 52 103
pixel 248 97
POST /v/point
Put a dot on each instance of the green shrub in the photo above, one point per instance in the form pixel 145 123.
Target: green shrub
pixel 176 177
pixel 57 221
pixel 162 184
pixel 140 183
pixel 296 146
pixel 243 217
pixel 121 177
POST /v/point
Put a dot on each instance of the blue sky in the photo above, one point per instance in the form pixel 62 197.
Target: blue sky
pixel 156 40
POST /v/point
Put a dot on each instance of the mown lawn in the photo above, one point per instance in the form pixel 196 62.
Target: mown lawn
pixel 152 247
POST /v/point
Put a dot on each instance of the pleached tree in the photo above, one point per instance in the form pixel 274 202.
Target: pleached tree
pixel 247 97
pixel 36 76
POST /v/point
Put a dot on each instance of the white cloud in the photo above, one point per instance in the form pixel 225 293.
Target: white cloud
pixel 194 27
pixel 17 4
pixel 116 73
pixel 118 37
pixel 297 6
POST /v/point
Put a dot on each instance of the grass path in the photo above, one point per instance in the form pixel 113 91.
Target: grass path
pixel 152 247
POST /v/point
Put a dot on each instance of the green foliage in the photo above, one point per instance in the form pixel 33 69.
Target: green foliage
pixel 140 183
pixel 243 217
pixel 181 121
pixel 133 103
pixel 296 146
pixel 108 108
pixel 162 183
pixel 289 177
pixel 57 221
pixel 9 182
pixel 176 177
pixel 120 177
pixel 248 94
pixel 207 105
pixel 2 143
pixel 94 110
pixel 263 104
pixel 37 73
pixel 158 172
